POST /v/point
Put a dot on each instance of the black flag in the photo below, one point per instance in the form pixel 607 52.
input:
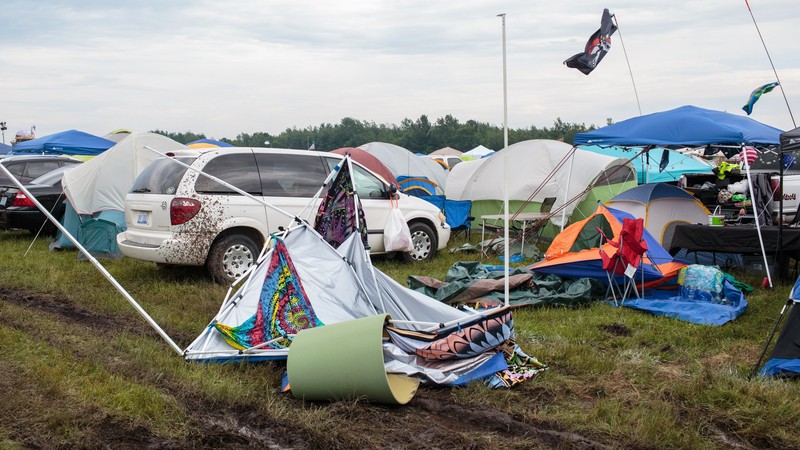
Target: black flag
pixel 596 47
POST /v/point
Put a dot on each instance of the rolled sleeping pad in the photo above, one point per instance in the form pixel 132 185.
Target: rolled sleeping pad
pixel 345 361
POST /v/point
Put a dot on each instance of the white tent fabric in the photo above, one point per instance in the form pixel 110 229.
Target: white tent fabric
pixel 101 183
pixel 529 164
pixel 460 175
pixel 402 162
pixel 478 152
pixel 662 211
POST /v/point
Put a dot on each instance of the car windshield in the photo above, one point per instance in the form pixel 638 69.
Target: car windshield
pixel 54 176
pixel 161 176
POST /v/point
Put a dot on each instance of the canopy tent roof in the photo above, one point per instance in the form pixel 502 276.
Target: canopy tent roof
pixel 790 140
pixel 70 142
pixel 679 163
pixel 367 160
pixel 4 148
pixel 401 162
pixel 683 126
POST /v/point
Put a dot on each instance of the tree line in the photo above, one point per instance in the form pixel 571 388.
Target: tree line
pixel 419 136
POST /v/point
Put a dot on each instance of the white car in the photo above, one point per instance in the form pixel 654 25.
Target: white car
pixel 176 216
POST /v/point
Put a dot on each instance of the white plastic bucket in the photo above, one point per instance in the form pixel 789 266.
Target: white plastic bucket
pixel 716 219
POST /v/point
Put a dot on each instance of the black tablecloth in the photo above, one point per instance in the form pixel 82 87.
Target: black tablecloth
pixel 732 239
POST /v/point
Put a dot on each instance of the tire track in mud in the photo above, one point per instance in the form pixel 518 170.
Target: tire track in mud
pixel 431 420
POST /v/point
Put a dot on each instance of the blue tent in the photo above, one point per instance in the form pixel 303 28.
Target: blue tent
pixel 785 357
pixel 679 164
pixel 71 142
pixel 210 142
pixel 4 148
pixel 686 125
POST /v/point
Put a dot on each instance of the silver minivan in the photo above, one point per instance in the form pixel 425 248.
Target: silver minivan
pixel 176 216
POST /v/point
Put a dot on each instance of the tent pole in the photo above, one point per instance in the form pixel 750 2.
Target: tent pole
pixel 755 214
pixel 505 165
pixel 786 306
pixel 569 183
pixel 94 261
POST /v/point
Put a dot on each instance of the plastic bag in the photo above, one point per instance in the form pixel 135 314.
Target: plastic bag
pixel 396 235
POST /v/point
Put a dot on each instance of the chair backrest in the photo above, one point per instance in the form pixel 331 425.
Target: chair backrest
pixel 547 204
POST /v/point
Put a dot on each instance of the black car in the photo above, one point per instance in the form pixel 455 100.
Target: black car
pixel 27 168
pixel 17 211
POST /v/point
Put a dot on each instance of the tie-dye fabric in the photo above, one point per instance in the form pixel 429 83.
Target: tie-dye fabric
pixel 283 307
pixel 336 217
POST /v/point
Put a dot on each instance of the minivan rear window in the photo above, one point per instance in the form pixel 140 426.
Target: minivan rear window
pixel 161 176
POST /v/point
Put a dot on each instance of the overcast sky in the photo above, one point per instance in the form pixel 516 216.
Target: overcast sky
pixel 228 67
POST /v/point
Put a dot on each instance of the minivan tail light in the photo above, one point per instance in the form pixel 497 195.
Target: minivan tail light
pixel 22 200
pixel 182 210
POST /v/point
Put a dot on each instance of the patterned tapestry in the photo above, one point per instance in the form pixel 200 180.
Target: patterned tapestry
pixel 336 217
pixel 283 307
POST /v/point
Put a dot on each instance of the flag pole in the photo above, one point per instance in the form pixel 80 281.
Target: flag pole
pixel 505 164
pixel 625 52
pixel 771 64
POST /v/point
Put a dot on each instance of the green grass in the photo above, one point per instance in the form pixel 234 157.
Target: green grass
pixel 82 368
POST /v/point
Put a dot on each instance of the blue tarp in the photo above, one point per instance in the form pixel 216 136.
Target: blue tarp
pixel 694 310
pixel 685 126
pixel 679 164
pixel 71 142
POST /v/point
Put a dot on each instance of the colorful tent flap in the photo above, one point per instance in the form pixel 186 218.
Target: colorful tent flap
pixel 283 308
pixel 575 252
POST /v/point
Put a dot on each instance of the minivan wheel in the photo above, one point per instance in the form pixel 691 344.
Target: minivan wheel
pixel 424 242
pixel 230 257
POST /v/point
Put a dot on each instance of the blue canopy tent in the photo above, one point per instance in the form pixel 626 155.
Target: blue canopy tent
pixel 71 142
pixel 4 148
pixel 649 171
pixel 683 126
pixel 687 126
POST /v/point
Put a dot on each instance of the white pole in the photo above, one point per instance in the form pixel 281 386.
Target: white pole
pixel 755 212
pixel 94 261
pixel 505 164
pixel 569 182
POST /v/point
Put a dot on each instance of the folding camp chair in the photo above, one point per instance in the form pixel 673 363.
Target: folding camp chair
pixel 625 261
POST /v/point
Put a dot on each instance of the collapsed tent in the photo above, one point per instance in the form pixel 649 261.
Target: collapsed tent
pixel 96 193
pixel 660 165
pixel 661 206
pixel 696 294
pixel 406 165
pixel 575 252
pixel 303 283
pixel 541 167
pixel 71 142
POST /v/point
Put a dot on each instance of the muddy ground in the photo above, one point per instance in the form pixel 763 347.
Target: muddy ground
pixel 431 420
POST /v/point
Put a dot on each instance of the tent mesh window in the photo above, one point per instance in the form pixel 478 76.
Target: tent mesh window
pixel 589 237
